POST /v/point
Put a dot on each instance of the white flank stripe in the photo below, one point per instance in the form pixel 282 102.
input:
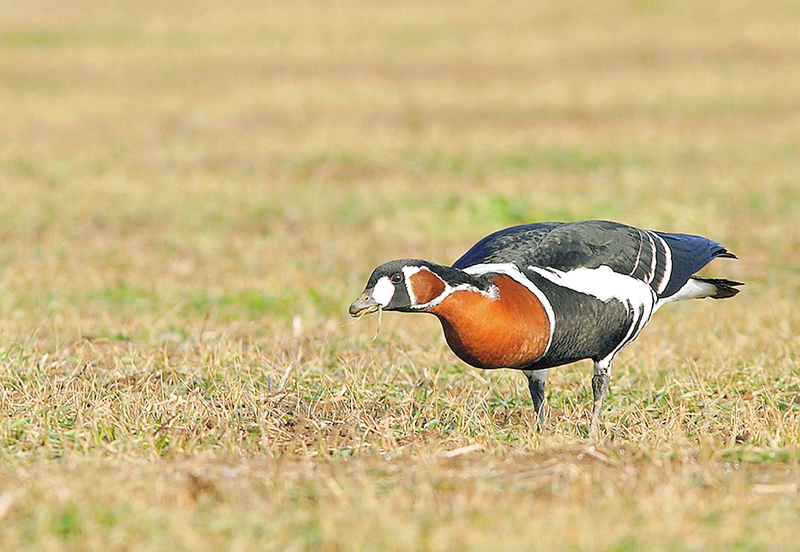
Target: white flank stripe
pixel 605 284
pixel 512 271
pixel 601 282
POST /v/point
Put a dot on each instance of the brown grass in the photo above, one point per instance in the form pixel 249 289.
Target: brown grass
pixel 192 194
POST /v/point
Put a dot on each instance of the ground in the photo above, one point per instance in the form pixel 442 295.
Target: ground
pixel 193 193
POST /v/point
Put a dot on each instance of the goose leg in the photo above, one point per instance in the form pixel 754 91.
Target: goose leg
pixel 536 381
pixel 600 382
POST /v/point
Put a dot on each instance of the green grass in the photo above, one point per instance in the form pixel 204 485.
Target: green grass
pixel 191 195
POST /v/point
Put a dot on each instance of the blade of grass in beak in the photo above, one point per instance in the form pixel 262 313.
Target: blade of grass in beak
pixel 378 329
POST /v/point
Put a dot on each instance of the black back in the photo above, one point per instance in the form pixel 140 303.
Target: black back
pixel 591 244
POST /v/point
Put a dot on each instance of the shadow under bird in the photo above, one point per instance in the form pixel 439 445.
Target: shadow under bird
pixel 536 296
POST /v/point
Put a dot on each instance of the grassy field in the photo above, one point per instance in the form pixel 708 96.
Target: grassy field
pixel 193 193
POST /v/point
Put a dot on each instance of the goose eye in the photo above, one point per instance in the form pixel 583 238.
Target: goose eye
pixel 396 278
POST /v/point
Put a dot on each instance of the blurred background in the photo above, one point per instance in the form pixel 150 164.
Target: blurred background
pixel 193 192
pixel 245 163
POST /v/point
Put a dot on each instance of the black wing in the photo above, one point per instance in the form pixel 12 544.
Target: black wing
pixel 664 261
pixel 516 244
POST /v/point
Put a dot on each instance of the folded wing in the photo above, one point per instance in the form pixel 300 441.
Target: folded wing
pixel 663 261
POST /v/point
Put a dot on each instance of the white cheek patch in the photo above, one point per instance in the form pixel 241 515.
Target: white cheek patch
pixel 383 291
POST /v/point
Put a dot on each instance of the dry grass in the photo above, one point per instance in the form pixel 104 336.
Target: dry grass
pixel 192 194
